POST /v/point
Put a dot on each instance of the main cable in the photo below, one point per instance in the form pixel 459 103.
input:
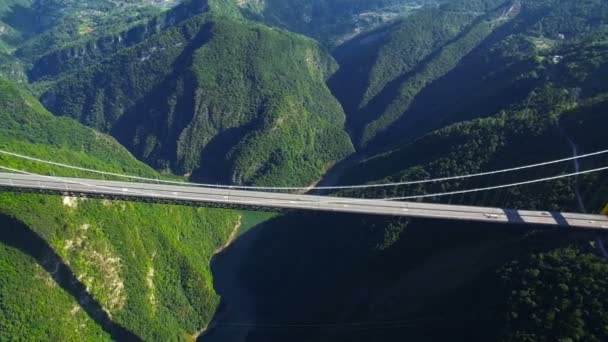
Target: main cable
pixel 336 200
pixel 459 192
pixel 270 188
pixel 150 193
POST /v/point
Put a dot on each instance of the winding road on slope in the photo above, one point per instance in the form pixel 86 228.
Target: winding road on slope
pixel 579 199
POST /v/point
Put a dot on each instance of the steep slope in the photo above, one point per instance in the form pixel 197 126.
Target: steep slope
pixel 71 56
pixel 565 101
pixel 35 26
pixel 134 270
pixel 459 59
pixel 377 279
pixel 43 310
pixel 36 33
pixel 217 98
pixel 382 279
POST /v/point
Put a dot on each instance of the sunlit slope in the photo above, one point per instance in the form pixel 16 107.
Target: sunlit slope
pixel 144 267
pixel 33 306
pixel 217 98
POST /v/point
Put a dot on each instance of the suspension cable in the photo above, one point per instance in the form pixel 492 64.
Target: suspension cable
pixel 147 193
pixel 341 200
pixel 270 188
pixel 539 180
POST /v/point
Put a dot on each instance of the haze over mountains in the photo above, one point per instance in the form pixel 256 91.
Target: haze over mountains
pixel 291 93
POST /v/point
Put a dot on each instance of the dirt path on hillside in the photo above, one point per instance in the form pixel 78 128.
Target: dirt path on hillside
pixel 232 237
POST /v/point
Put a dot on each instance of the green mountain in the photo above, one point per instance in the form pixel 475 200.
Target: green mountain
pixel 386 279
pixel 217 98
pixel 565 105
pixel 459 55
pixel 234 92
pixel 30 29
pixel 97 270
pixel 90 49
pixel 530 91
pixel 34 26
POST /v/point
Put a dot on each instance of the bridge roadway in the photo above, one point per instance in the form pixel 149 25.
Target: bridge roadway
pixel 255 200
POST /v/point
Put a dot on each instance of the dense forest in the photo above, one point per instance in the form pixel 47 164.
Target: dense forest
pixel 513 93
pixel 145 267
pixel 398 80
pixel 213 98
pixel 289 93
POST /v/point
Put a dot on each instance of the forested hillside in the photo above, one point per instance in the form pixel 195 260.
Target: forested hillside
pixel 34 26
pixel 381 279
pixel 460 67
pixel 78 269
pixel 565 104
pixel 277 92
pixel 218 99
pixel 520 97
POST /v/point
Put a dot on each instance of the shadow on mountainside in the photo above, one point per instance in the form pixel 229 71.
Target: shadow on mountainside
pixel 276 274
pixel 17 235
pixel 339 277
pixel 237 302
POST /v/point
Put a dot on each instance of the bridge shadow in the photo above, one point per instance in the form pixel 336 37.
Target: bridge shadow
pixel 286 276
pixel 15 234
pixel 513 216
pixel 560 219
pixel 276 272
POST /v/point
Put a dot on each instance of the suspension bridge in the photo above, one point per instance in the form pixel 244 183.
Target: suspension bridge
pixel 253 198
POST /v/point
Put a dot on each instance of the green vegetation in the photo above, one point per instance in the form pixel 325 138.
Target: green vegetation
pixel 387 69
pixel 251 219
pixel 468 54
pixel 33 307
pixel 216 98
pixel 461 87
pixel 87 50
pixel 146 265
pixel 36 27
pixel 549 297
pixel 565 100
pixel 27 128
pixel 492 144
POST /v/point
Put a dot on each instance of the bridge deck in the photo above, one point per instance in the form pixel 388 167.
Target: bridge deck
pixel 279 201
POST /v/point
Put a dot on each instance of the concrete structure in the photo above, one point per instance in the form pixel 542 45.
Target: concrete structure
pixel 254 200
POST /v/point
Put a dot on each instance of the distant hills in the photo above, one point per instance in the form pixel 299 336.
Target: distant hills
pixel 332 22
